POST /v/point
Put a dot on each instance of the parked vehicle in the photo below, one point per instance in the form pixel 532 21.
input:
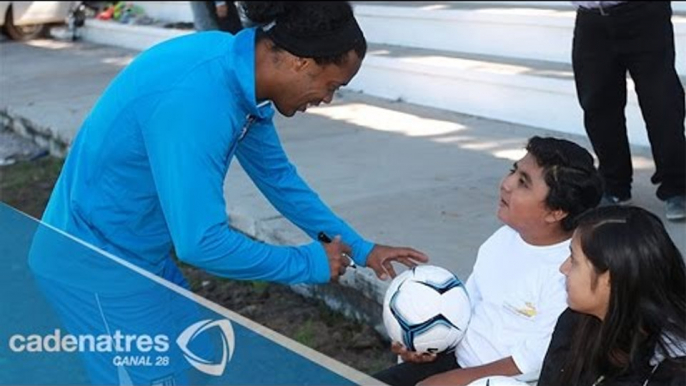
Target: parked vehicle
pixel 24 20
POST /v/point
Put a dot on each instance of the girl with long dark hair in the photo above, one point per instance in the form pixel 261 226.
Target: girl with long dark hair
pixel 626 322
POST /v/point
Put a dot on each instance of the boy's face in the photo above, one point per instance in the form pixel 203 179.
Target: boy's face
pixel 522 197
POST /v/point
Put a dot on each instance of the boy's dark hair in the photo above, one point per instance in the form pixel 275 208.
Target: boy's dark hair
pixel 323 31
pixel 575 184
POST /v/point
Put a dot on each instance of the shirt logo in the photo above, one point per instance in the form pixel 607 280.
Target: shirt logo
pixel 529 309
pixel 249 120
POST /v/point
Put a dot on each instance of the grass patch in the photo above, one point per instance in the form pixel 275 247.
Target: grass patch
pixel 27 185
pixel 305 334
pixel 259 287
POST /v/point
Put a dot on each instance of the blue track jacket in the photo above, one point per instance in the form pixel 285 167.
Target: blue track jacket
pixel 146 170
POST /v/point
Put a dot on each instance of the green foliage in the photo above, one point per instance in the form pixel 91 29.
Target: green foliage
pixel 259 287
pixel 305 334
pixel 27 185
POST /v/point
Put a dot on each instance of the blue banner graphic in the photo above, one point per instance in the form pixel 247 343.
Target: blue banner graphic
pixel 74 315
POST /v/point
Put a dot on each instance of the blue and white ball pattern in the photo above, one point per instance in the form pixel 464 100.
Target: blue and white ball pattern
pixel 427 309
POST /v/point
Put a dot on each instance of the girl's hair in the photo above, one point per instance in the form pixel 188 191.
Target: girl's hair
pixel 323 31
pixel 647 308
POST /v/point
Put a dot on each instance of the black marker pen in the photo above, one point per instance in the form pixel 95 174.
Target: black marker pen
pixel 326 239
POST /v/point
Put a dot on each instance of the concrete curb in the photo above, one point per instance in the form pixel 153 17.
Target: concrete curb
pixel 358 295
pixel 42 136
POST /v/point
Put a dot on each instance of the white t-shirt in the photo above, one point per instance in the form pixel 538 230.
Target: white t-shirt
pixel 517 294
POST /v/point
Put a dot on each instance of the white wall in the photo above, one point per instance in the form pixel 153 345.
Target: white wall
pixel 172 11
pixel 525 33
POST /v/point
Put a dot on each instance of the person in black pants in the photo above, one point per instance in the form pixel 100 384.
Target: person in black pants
pixel 611 38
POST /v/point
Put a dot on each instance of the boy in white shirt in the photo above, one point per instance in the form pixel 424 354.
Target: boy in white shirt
pixel 516 289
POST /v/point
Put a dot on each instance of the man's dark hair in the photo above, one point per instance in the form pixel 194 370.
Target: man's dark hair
pixel 574 183
pixel 323 31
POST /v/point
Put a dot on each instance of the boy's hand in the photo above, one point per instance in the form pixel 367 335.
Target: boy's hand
pixel 411 356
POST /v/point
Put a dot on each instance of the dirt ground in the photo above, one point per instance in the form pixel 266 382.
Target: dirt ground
pixel 26 185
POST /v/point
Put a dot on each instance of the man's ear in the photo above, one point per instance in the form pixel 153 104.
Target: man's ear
pixel 556 215
pixel 301 64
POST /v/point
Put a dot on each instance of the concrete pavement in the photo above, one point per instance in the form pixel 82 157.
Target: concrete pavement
pixel 400 174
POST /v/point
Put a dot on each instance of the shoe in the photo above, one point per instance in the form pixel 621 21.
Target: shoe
pixel 676 208
pixel 609 199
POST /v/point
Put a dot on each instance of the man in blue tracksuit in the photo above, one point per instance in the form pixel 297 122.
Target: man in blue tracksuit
pixel 146 171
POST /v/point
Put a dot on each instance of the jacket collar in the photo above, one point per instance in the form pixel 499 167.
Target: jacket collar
pixel 243 58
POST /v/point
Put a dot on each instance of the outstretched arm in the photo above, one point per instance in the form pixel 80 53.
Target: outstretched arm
pixel 187 143
pixel 263 158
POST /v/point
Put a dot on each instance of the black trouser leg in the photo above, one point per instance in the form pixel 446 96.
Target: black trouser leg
pixel 600 81
pixel 650 59
pixel 231 23
pixel 409 374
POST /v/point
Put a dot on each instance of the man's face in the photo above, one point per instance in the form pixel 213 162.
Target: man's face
pixel 311 84
pixel 522 197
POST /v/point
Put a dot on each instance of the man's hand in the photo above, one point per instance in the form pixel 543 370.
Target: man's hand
pixel 381 256
pixel 411 356
pixel 337 261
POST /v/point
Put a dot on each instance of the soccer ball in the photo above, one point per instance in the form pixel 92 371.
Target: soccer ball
pixel 427 309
